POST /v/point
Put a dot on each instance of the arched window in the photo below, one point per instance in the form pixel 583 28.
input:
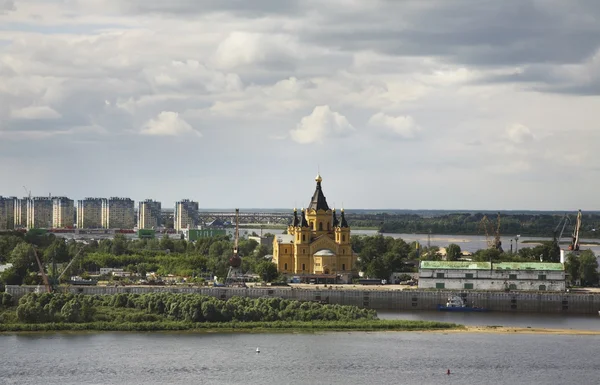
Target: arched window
pixel 312 224
pixel 285 266
pixel 343 266
pixel 303 237
pixel 303 267
pixel 343 238
pixel 320 226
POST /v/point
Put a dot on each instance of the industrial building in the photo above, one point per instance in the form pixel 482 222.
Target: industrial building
pixel 149 214
pixel 186 215
pixel 118 213
pixel 459 275
pixel 63 212
pixel 89 213
pixel 7 212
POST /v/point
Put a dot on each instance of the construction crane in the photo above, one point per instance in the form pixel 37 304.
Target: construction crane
pixel 497 242
pixel 485 225
pixel 28 192
pixel 69 265
pixel 42 272
pixel 574 246
pixel 564 220
pixel 235 262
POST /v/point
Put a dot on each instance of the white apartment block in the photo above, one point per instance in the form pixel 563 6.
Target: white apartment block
pixel 89 213
pixel 63 212
pixel 118 213
pixel 149 214
pixel 7 212
pixel 20 213
pixel 186 215
pixel 39 212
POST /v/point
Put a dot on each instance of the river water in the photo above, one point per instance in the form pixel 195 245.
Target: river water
pixel 470 243
pixel 286 358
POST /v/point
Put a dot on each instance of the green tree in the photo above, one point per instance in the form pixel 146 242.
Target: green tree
pixel 167 243
pixel 119 245
pixel 453 252
pixel 588 268
pixel 267 271
pixel 572 267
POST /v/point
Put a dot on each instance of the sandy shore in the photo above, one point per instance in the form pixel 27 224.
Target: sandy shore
pixel 516 330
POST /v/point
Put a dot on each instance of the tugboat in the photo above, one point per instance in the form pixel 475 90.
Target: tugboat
pixel 456 303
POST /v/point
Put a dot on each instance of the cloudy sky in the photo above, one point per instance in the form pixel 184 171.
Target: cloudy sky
pixel 439 104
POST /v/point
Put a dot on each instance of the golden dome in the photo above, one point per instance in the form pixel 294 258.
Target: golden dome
pixel 318 178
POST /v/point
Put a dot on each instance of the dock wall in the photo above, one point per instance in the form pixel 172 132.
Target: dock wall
pixel 564 303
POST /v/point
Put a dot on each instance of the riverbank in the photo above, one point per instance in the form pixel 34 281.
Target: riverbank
pixel 518 330
pixel 243 327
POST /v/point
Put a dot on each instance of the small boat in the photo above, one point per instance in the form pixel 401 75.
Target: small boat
pixel 457 304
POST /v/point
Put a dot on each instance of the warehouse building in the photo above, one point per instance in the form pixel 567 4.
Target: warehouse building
pixel 529 276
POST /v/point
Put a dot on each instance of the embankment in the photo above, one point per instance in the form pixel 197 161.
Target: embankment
pixel 539 302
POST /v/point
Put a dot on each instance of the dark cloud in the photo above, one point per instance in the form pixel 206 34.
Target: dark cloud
pixel 7 5
pixel 485 32
pixel 253 8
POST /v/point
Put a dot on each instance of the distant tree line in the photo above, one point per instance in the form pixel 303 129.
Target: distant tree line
pixel 539 225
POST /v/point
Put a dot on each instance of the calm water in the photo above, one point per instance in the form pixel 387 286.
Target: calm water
pixel 548 321
pixel 470 243
pixel 328 358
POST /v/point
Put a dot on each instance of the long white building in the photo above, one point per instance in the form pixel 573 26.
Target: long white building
pixel 459 275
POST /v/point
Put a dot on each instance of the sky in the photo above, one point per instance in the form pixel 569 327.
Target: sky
pixel 398 104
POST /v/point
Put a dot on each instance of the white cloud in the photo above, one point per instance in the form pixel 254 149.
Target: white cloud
pixel 320 125
pixel 245 48
pixel 35 112
pixel 398 126
pixel 168 123
pixel 519 133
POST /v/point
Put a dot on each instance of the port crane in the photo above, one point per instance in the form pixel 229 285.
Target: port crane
pixel 47 285
pixel 69 265
pixel 574 246
pixel 497 242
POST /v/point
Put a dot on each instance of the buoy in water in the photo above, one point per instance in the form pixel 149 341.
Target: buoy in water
pixel 448 372
pixel 257 350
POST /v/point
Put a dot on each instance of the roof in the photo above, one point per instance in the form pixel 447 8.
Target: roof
pixel 457 265
pixel 467 265
pixel 285 238
pixel 528 266
pixel 318 201
pixel 324 252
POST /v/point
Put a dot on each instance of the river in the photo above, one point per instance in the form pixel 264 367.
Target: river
pixel 301 358
pixel 470 243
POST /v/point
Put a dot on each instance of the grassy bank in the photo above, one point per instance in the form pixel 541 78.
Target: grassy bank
pixel 360 325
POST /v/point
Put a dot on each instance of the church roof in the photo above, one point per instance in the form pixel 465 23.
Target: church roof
pixel 318 201
pixel 343 222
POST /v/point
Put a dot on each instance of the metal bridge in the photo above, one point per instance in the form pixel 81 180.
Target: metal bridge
pixel 274 218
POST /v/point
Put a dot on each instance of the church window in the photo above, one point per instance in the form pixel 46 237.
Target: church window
pixel 303 237
pixel 312 224
pixel 343 251
pixel 285 251
pixel 303 252
pixel 320 226
pixel 303 267
pixel 285 266
pixel 343 266
pixel 343 238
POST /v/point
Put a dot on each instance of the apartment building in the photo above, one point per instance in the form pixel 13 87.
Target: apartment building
pixel 118 213
pixel 186 215
pixel 39 212
pixel 63 212
pixel 20 213
pixel 7 212
pixel 89 213
pixel 149 214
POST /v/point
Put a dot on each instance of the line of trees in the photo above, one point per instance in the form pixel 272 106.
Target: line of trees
pixel 69 308
pixel 539 225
